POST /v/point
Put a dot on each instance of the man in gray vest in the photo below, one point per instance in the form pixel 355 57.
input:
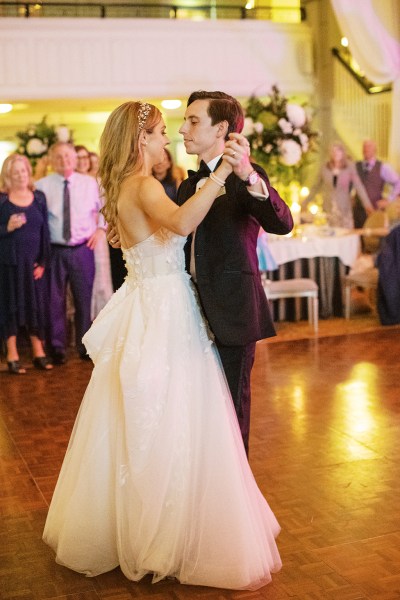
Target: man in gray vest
pixel 375 175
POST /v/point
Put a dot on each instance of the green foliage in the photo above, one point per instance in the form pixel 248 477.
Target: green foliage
pixel 35 141
pixel 280 135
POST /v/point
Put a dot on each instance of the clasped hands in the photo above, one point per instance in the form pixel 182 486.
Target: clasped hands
pixel 237 154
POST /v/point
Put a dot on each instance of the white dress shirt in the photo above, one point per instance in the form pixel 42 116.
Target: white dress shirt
pixel 84 206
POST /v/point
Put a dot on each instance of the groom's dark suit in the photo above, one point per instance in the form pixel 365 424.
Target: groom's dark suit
pixel 228 279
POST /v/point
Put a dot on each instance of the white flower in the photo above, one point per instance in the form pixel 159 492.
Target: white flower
pixel 35 146
pixel 258 127
pixel 285 126
pixel 290 152
pixel 62 133
pixel 296 114
pixel 248 127
pixel 267 148
pixel 31 131
pixel 304 142
pixel 297 131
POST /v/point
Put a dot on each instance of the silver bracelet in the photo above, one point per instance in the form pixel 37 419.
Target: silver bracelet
pixel 216 180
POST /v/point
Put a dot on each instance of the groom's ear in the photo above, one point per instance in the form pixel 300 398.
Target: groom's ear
pixel 222 129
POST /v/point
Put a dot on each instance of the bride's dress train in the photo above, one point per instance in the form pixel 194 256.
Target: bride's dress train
pixel 155 478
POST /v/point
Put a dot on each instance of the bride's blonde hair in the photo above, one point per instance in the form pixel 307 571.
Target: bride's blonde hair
pixel 120 153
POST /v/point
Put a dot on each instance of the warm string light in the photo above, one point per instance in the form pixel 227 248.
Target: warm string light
pixel 5 108
pixel 171 104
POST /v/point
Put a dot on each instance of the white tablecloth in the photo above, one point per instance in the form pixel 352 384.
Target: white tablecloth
pixel 324 255
pixel 345 246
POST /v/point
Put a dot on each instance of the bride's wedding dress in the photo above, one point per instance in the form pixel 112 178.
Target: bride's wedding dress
pixel 155 478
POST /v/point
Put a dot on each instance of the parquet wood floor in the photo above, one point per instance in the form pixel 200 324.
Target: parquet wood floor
pixel 325 449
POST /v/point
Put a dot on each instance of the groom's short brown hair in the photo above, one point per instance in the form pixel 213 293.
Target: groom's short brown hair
pixel 222 107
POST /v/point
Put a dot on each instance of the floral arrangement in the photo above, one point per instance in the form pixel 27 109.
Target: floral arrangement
pixel 37 139
pixel 280 136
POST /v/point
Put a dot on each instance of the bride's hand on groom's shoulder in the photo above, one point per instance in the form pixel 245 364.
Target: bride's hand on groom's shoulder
pixel 113 237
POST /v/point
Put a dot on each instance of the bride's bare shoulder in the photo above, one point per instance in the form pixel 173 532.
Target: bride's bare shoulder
pixel 140 184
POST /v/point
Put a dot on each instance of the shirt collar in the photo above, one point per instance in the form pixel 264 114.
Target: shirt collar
pixel 62 178
pixel 213 162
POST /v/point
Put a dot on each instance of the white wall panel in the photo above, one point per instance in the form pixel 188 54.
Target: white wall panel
pixel 69 58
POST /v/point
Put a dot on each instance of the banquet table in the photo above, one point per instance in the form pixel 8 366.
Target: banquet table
pixel 320 253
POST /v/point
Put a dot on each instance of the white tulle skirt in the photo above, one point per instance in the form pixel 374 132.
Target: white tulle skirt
pixel 155 478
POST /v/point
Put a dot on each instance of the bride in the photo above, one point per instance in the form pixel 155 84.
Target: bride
pixel 155 479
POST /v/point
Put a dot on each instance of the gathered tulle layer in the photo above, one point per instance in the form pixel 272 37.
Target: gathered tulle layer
pixel 155 478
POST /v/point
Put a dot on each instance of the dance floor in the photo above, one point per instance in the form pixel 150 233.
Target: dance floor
pixel 325 447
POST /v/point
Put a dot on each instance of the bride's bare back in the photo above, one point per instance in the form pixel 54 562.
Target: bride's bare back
pixel 134 225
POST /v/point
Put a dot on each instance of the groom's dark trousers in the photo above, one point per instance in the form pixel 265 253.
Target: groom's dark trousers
pixel 228 279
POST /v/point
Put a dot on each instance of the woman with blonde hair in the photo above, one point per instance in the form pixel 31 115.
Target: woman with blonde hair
pixel 24 253
pixel 336 181
pixel 156 478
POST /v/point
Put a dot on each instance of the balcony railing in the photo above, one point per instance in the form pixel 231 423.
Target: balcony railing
pixel 286 14
pixel 347 60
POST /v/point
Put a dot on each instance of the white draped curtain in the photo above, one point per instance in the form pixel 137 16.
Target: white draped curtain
pixel 372 28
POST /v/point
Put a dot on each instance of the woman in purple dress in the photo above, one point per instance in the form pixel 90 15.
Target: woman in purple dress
pixel 24 252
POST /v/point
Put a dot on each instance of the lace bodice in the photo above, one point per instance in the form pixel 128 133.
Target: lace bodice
pixel 160 254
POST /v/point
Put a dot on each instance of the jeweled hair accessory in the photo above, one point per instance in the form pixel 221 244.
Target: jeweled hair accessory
pixel 143 113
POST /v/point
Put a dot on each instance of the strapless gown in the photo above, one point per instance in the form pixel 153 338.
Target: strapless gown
pixel 155 478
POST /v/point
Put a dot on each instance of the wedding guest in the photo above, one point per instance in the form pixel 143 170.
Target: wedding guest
pixel 168 175
pixel 82 160
pixel 73 204
pixel 388 293
pixel 24 256
pixel 336 181
pixel 94 164
pixel 375 175
pixel 155 478
pixel 110 269
pixel 102 284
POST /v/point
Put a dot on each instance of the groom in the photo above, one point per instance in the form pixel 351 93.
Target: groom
pixel 221 255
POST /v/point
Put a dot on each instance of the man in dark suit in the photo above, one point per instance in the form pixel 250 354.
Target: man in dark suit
pixel 221 254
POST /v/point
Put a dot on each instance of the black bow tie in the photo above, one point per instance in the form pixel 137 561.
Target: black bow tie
pixel 203 171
